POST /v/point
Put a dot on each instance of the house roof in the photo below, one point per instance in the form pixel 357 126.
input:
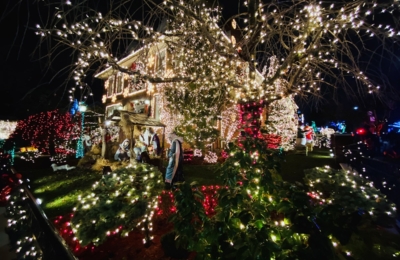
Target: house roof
pixel 135 119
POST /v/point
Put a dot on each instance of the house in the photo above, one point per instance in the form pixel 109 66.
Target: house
pixel 138 97
pixel 129 93
pixel 145 96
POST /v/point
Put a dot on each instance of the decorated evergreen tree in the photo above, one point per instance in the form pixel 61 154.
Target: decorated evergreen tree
pixel 198 112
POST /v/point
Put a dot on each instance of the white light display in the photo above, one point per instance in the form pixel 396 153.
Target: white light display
pixel 6 129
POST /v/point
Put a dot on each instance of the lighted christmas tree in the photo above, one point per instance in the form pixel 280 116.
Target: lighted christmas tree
pixel 230 122
pixel 282 121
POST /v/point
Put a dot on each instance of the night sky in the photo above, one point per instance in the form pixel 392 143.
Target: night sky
pixel 29 85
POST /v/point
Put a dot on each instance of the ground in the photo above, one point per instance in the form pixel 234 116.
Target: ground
pixel 59 193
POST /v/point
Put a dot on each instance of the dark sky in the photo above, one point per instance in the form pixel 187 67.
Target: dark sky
pixel 28 87
pixel 25 88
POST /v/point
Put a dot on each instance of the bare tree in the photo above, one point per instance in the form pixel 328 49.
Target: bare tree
pixel 318 47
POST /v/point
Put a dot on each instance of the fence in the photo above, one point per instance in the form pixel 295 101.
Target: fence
pixel 50 243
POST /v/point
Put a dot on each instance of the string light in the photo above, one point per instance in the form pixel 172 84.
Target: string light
pixel 19 220
pixel 200 72
pixel 211 157
pixel 6 129
pixel 49 130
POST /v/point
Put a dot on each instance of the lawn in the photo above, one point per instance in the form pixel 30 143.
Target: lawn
pixel 292 169
pixel 59 190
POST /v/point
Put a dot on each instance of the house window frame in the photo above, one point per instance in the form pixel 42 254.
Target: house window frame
pixel 108 113
pixel 110 87
pixel 130 85
pixel 141 102
pixel 119 82
pixel 156 105
pixel 161 64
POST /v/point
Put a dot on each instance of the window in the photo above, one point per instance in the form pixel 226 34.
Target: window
pixel 110 109
pixel 157 107
pixel 136 84
pixel 161 62
pixel 110 89
pixel 119 83
pixel 139 106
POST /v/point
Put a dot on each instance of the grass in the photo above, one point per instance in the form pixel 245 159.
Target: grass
pixel 292 169
pixel 59 190
pixel 202 174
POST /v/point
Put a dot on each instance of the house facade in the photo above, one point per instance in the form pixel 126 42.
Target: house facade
pixel 123 91
pixel 127 92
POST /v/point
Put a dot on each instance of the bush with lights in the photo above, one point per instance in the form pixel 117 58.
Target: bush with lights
pixel 121 201
pixel 260 216
pixel 347 190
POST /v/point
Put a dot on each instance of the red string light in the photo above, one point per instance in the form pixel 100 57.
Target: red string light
pixel 42 129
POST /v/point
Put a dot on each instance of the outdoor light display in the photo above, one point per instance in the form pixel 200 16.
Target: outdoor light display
pixel 121 201
pixel 329 186
pixel 258 210
pixel 197 153
pixel 210 157
pixel 282 121
pixel 250 118
pixel 354 157
pixel 165 209
pixel 6 129
pixel 230 122
pixel 253 204
pixel 170 118
pixel 49 132
pixel 32 156
pixel 205 71
pixel 256 214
